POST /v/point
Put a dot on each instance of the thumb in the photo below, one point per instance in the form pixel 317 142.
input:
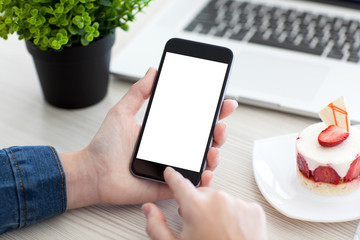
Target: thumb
pixel 138 93
pixel 156 226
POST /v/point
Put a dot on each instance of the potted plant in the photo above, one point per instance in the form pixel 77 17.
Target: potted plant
pixel 70 41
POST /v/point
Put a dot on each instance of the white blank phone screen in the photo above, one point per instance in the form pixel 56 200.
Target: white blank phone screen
pixel 182 111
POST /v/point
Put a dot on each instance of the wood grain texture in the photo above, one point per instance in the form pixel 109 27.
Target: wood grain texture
pixel 26 119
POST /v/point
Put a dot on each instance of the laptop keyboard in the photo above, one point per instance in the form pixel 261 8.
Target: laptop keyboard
pixel 335 38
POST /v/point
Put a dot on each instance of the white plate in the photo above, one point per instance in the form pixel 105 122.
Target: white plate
pixel 274 165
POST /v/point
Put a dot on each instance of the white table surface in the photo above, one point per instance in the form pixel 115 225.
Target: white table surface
pixel 26 119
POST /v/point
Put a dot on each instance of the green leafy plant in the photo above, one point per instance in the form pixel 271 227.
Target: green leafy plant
pixel 54 24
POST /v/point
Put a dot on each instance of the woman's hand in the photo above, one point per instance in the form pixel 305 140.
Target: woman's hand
pixel 100 173
pixel 207 214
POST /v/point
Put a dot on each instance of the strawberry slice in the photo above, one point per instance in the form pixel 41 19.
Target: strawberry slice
pixel 326 174
pixel 332 136
pixel 302 165
pixel 354 170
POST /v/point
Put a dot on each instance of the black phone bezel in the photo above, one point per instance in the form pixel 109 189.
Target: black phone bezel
pixel 152 170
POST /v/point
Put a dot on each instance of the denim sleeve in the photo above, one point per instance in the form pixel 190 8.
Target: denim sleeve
pixel 32 186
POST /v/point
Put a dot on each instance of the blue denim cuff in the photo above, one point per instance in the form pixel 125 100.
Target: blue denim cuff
pixel 32 186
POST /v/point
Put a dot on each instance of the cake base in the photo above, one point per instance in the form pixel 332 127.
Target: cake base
pixel 323 188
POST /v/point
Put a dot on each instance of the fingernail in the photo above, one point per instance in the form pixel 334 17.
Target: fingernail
pixel 147 72
pixel 150 70
pixel 146 209
pixel 236 104
pixel 169 169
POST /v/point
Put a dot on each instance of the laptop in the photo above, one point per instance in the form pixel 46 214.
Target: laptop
pixel 290 55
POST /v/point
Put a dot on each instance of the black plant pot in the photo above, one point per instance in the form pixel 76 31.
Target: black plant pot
pixel 75 77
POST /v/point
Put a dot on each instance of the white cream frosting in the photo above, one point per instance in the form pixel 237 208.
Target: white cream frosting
pixel 338 157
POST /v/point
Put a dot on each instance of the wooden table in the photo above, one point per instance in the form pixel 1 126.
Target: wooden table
pixel 26 119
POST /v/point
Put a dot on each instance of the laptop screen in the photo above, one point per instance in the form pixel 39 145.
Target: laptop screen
pixel 355 4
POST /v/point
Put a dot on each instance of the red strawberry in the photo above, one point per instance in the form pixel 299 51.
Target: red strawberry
pixel 302 165
pixel 326 174
pixel 332 136
pixel 354 170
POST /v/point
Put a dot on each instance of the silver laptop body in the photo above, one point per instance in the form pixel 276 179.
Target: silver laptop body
pixel 294 56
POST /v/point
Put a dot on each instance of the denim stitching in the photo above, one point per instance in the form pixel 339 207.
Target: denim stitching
pixel 62 178
pixel 21 185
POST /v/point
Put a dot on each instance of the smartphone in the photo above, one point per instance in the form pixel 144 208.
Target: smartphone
pixel 182 111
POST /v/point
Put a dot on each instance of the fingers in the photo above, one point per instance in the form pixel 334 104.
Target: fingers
pixel 138 93
pixel 219 135
pixel 181 187
pixel 227 108
pixel 206 177
pixel 156 226
pixel 212 159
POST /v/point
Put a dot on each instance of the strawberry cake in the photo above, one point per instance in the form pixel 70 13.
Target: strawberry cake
pixel 328 153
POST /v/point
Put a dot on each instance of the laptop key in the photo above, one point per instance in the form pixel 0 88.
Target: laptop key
pixel 286 45
pixel 336 55
pixel 336 52
pixel 191 26
pixel 240 35
pixel 354 50
pixel 205 28
pixel 205 18
pixel 354 59
pixel 221 32
pixel 285 28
